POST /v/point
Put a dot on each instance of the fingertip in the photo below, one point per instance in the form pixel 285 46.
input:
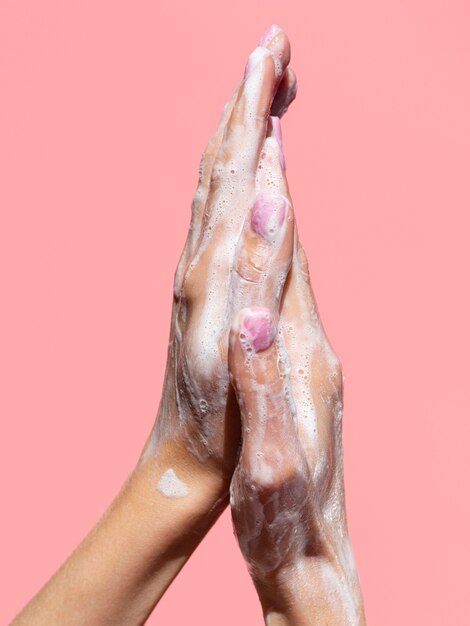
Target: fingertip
pixel 277 42
pixel 269 34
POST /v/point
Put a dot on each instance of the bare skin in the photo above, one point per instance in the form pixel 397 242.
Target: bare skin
pixel 241 254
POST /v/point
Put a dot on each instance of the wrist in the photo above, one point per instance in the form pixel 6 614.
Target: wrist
pixel 278 592
pixel 191 494
pixel 315 590
pixel 170 479
pixel 208 450
pixel 208 479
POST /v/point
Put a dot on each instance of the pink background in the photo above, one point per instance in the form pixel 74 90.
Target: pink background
pixel 105 108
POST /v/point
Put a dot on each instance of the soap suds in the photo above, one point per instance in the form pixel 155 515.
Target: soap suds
pixel 171 486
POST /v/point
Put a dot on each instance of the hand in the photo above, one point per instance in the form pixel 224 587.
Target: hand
pixel 287 492
pixel 122 568
pixel 198 413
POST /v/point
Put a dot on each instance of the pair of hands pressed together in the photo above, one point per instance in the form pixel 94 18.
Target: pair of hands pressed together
pixel 251 407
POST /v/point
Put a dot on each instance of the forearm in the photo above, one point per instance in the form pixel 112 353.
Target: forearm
pixel 122 568
pixel 312 592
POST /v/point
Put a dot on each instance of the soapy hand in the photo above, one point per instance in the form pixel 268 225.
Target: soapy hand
pixel 198 412
pixel 248 362
pixel 287 492
pixel 245 319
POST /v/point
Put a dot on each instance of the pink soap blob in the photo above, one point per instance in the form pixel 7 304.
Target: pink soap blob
pixel 259 328
pixel 268 215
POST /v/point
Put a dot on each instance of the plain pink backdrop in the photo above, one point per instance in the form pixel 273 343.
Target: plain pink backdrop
pixel 105 108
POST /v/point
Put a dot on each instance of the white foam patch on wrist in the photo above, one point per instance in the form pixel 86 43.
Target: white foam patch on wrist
pixel 171 486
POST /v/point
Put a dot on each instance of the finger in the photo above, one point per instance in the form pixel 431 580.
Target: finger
pixel 311 355
pixel 246 129
pixel 269 488
pixel 316 374
pixel 200 196
pixel 265 248
pixel 298 292
pixel 271 452
pixel 233 175
pixel 285 94
pixel 263 259
pixel 232 185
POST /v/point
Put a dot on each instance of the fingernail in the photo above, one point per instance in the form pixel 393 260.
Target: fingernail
pixel 269 34
pixel 257 329
pixel 276 122
pixel 255 59
pixel 268 215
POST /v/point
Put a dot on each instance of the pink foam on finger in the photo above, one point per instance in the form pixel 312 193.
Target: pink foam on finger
pixel 268 215
pixel 258 328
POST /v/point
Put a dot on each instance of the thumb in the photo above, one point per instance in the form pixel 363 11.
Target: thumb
pixel 259 371
pixel 264 251
pixel 269 489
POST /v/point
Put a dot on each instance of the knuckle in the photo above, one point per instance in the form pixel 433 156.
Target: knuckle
pixel 228 165
pixel 283 471
pixel 252 262
pixel 221 170
pixel 248 273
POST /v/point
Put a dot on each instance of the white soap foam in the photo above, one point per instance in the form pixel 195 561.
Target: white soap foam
pixel 171 486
